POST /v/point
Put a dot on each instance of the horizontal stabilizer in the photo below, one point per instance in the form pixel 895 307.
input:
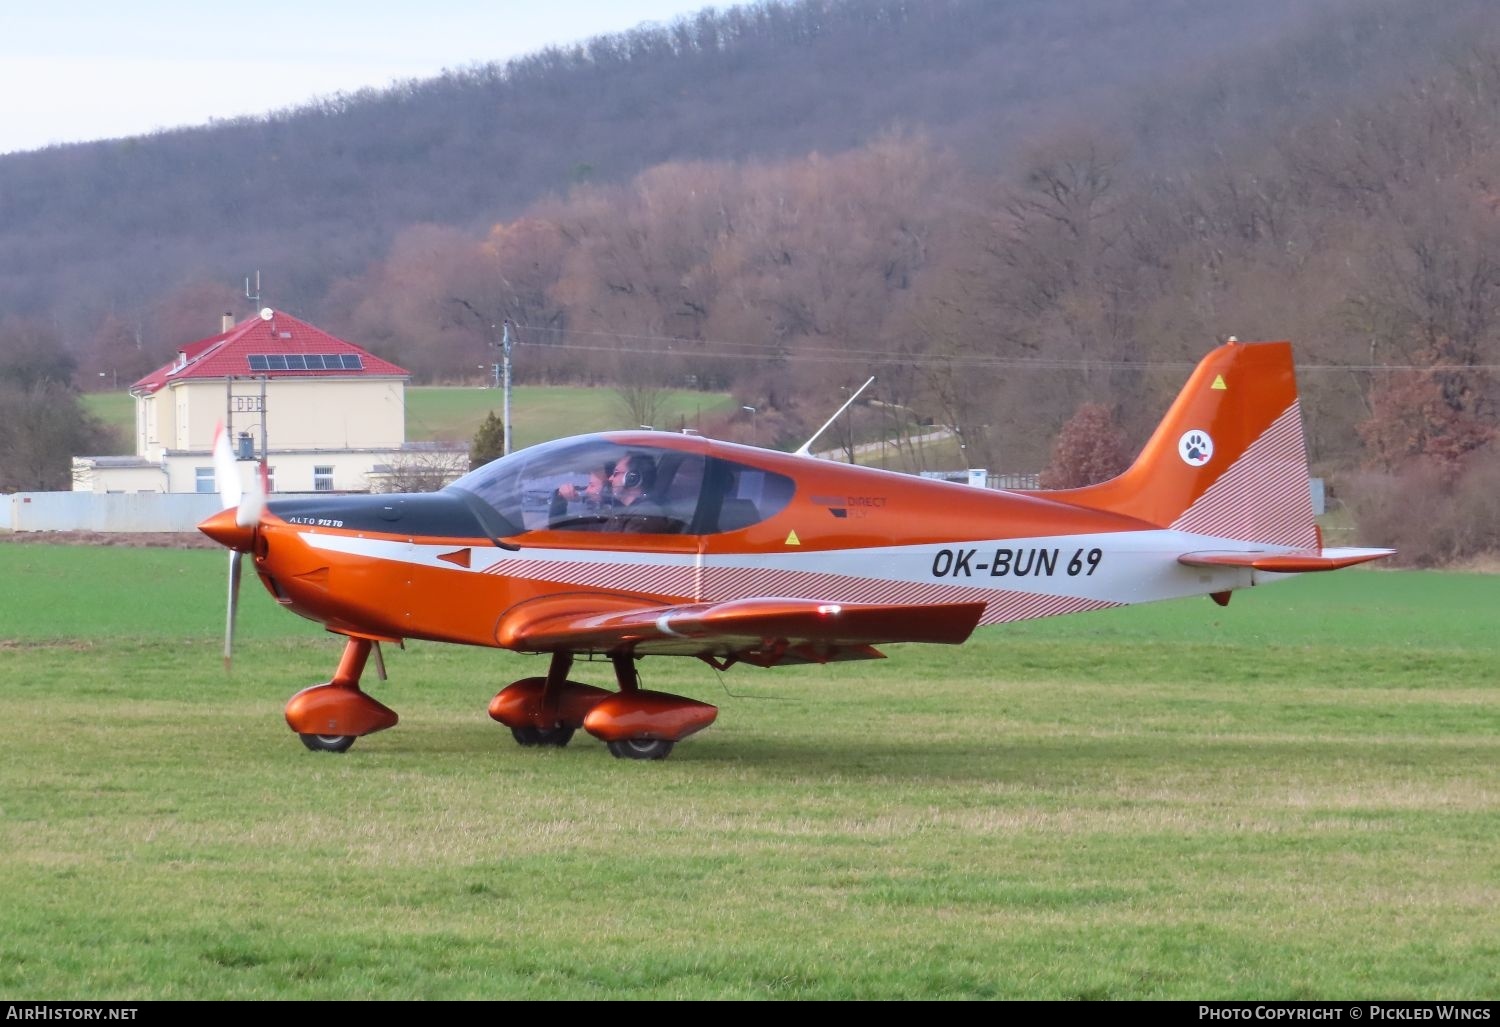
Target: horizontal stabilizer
pixel 1286 563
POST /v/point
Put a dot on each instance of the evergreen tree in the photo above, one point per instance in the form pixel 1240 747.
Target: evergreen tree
pixel 489 441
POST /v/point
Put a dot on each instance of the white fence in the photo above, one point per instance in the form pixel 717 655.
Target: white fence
pixel 94 511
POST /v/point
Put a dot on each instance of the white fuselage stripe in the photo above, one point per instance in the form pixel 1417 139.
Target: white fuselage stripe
pixel 1018 578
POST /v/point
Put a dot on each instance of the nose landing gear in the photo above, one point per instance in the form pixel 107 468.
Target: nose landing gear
pixel 329 717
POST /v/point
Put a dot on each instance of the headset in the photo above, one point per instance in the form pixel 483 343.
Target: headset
pixel 639 472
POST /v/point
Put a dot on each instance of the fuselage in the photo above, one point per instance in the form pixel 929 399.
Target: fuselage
pixel 734 521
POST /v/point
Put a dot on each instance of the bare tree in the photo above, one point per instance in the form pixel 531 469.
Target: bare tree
pixel 418 470
pixel 642 402
pixel 1089 449
pixel 42 427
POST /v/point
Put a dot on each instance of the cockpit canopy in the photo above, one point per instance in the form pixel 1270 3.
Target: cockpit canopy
pixel 585 483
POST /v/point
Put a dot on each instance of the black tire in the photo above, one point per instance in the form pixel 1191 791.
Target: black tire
pixel 557 737
pixel 641 749
pixel 328 743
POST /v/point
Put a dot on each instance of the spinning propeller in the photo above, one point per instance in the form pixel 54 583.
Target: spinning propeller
pixel 238 532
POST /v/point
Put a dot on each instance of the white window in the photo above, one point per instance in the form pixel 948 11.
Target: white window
pixel 204 479
pixel 323 478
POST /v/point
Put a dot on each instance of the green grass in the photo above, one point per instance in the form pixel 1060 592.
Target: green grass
pixel 541 413
pixel 1293 797
pixel 117 412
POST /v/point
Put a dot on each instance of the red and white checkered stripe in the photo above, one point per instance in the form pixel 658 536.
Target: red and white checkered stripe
pixel 714 583
pixel 1002 605
pixel 622 575
pixel 1263 497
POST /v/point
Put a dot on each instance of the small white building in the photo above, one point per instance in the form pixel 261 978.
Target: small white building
pixel 323 414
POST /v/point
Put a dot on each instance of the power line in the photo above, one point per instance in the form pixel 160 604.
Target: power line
pixel 678 346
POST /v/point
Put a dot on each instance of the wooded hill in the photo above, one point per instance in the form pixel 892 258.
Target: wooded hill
pixel 1007 210
pixel 313 193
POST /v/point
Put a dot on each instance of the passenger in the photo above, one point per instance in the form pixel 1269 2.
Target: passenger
pixel 594 495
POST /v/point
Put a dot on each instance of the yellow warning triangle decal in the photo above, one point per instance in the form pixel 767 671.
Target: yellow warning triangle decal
pixel 792 539
pixel 1219 382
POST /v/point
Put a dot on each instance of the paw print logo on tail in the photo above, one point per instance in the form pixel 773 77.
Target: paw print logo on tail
pixel 1195 447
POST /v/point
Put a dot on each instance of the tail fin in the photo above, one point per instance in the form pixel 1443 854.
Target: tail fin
pixel 1228 460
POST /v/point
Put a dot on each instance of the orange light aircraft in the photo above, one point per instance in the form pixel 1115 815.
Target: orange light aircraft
pixel 623 545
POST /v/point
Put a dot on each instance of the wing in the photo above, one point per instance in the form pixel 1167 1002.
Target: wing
pixel 762 631
pixel 1288 563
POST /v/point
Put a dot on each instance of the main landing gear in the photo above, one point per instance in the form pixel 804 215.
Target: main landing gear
pixel 641 749
pixel 530 736
pixel 330 716
pixel 328 743
pixel 635 723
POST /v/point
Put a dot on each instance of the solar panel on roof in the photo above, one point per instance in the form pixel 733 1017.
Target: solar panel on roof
pixel 306 362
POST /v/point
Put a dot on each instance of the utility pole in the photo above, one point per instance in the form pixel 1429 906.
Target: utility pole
pixel 505 355
pixel 502 369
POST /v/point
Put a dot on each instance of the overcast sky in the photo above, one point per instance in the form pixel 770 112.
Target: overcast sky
pixel 74 70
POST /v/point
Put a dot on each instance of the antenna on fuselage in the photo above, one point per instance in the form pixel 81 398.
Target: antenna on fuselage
pixel 806 448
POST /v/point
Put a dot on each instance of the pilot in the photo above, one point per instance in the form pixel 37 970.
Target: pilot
pixel 636 509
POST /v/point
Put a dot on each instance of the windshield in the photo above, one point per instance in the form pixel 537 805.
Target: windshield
pixel 592 484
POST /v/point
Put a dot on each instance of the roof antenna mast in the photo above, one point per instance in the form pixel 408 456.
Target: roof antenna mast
pixel 806 448
pixel 255 299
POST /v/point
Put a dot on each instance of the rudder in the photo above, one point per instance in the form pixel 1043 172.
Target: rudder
pixel 1229 458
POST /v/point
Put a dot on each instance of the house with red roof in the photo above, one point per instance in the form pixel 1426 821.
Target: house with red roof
pixel 322 414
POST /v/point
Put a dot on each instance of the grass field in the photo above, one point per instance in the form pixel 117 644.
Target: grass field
pixel 538 413
pixel 1295 797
